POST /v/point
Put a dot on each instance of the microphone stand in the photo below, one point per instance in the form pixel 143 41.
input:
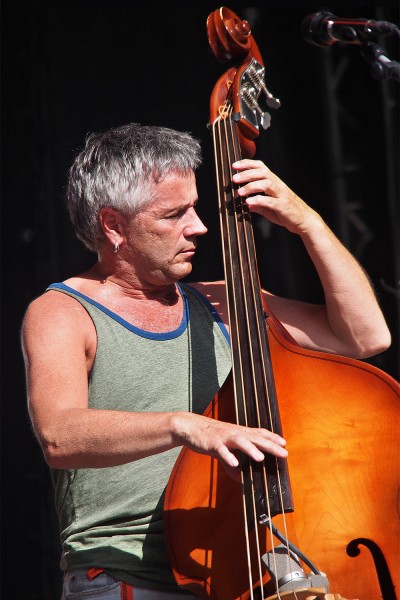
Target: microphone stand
pixel 382 67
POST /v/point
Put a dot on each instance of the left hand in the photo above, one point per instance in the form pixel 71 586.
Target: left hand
pixel 271 197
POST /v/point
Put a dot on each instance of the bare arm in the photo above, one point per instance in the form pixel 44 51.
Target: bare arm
pixel 351 322
pixel 59 345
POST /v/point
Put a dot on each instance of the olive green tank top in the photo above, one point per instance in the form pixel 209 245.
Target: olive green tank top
pixel 113 517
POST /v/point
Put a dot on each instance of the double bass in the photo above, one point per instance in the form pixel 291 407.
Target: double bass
pixel 323 523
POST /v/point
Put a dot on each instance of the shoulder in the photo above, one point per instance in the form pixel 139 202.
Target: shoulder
pixel 53 303
pixel 58 302
pixel 212 290
pixel 55 316
pixel 215 293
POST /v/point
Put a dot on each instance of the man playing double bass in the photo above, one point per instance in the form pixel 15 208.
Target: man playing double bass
pixel 123 359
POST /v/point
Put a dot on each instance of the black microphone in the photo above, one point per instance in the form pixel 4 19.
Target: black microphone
pixel 325 29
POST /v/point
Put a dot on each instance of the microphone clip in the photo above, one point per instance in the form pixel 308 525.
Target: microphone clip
pixel 381 66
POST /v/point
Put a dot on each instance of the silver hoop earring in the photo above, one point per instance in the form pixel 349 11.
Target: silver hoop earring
pixel 116 247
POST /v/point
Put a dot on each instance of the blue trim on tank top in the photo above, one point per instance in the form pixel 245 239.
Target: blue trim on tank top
pixel 169 335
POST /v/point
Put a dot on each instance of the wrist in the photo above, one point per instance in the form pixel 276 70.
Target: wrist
pixel 178 425
pixel 314 230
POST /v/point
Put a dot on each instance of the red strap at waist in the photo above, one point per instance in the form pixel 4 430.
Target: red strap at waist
pixel 126 591
pixel 93 572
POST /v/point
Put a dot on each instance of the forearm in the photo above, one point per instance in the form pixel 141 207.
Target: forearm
pixel 87 438
pixel 84 438
pixel 352 311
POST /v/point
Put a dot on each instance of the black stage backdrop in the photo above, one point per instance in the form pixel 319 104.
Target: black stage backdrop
pixel 69 68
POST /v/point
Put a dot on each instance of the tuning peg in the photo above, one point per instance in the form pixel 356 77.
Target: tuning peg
pixel 256 74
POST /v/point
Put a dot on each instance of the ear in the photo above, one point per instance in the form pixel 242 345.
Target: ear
pixel 112 224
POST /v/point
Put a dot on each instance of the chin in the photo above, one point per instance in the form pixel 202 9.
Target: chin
pixel 184 271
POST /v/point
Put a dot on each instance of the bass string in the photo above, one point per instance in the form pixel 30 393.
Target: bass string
pixel 244 222
pixel 238 249
pixel 249 350
pixel 229 249
pixel 265 397
pixel 253 310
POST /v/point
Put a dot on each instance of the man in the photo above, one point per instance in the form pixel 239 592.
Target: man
pixel 122 360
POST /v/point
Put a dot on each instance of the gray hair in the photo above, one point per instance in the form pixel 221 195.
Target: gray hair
pixel 120 169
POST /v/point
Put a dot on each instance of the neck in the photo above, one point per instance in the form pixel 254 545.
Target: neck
pixel 129 286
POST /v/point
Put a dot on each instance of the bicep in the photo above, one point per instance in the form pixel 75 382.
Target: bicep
pixel 55 362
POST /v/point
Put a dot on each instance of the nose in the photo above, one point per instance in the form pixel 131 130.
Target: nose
pixel 195 225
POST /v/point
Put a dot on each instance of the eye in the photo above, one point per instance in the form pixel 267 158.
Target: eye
pixel 177 214
pixel 180 212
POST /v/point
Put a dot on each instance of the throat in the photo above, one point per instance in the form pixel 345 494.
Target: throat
pixel 157 310
pixel 152 312
pixel 157 316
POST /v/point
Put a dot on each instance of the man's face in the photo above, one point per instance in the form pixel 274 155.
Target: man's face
pixel 161 237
